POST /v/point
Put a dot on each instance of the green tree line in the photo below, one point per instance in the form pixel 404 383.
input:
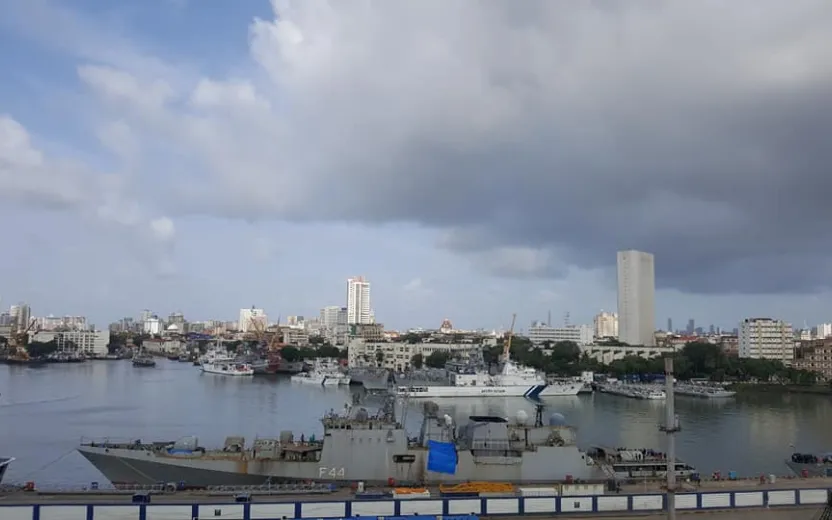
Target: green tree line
pixel 694 360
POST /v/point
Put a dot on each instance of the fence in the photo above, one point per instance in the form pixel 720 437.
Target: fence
pixel 459 508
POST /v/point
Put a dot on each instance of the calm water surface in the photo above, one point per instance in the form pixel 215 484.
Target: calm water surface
pixel 44 412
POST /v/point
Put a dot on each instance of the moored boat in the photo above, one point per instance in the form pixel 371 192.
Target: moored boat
pixel 228 369
pixel 810 465
pixel 144 360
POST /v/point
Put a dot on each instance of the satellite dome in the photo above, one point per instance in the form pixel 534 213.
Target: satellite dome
pixel 522 417
pixel 557 419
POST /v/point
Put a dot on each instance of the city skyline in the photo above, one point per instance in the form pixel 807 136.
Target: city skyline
pixel 143 165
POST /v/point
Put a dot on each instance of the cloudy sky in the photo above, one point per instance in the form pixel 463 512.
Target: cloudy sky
pixel 472 159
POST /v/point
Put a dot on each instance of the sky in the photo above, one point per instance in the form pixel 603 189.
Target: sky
pixel 472 160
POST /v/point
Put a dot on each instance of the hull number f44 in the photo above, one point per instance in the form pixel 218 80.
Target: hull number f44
pixel 331 472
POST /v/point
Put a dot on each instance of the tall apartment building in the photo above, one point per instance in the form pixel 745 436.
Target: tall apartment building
pixel 248 318
pixel 765 338
pixel 359 310
pixel 332 316
pixel 636 298
pixel 605 325
pixel 824 330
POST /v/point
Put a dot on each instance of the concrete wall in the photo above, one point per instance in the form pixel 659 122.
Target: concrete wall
pixel 460 508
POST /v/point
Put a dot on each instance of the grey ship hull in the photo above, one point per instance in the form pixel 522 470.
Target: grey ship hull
pixel 371 460
pixel 4 465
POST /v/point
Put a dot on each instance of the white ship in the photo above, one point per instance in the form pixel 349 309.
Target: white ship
pixel 512 381
pixel 228 369
pixel 216 355
pixel 323 373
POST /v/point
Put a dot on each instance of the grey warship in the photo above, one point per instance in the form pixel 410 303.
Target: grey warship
pixel 360 447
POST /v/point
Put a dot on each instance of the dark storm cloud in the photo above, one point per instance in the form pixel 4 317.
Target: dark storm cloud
pixel 694 130
pixel 711 158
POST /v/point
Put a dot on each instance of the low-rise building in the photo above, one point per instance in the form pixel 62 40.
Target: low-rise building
pixel 87 342
pixel 815 356
pixel 540 333
pixel 608 353
pixel 397 356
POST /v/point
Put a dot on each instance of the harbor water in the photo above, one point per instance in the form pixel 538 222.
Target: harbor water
pixel 44 413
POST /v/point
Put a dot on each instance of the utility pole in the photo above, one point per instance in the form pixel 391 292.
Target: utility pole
pixel 671 426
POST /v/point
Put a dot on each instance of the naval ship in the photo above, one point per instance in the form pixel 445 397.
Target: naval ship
pixel 360 447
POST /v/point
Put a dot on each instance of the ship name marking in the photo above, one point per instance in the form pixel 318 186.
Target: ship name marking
pixel 331 472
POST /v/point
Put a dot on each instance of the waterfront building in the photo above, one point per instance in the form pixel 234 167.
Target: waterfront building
pixel 396 356
pixel 766 338
pixel 605 325
pixel 540 333
pixel 359 310
pixel 815 356
pixel 636 298
pixel 90 343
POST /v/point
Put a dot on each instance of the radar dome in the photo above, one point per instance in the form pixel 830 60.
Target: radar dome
pixel 557 419
pixel 522 417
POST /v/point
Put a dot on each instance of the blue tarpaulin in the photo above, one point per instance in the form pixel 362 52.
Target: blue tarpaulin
pixel 442 457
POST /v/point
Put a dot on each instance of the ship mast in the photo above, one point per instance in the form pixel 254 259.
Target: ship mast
pixel 507 343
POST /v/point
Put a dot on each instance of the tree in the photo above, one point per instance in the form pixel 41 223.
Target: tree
pixel 417 361
pixel 412 338
pixel 437 359
pixel 290 354
pixel 328 351
pixel 38 349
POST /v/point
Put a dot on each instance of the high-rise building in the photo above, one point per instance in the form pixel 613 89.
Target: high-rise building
pixel 765 338
pixel 252 318
pixel 636 298
pixel 333 316
pixel 358 301
pixel 670 325
pixel 605 325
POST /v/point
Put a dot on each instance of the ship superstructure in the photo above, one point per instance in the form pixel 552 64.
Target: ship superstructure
pixel 361 447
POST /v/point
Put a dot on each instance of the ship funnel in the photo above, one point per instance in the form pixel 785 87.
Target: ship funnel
pixel 522 417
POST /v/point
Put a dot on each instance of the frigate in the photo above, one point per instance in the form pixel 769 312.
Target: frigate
pixel 358 446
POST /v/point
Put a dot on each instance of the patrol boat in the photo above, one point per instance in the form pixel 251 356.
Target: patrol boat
pixel 360 447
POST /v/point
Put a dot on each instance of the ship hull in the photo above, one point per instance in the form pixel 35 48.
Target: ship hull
pixel 4 465
pixel 343 464
pixel 530 391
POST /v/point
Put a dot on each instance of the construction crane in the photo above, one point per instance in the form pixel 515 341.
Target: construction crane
pixel 507 343
pixel 257 329
pixel 19 339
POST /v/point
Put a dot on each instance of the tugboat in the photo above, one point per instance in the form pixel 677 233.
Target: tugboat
pixel 143 360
